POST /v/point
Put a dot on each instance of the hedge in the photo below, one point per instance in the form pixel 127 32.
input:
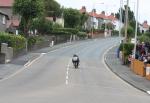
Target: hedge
pixel 144 38
pixel 82 34
pixel 66 31
pixel 127 49
pixel 34 40
pixel 17 42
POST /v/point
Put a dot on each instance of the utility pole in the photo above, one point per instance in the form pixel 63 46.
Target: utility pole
pixel 120 18
pixel 136 27
pixel 126 23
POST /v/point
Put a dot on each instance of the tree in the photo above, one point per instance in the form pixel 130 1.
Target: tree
pixel 52 8
pixel 130 14
pixel 43 25
pixel 71 17
pixel 28 9
pixel 131 19
pixel 83 19
pixel 130 31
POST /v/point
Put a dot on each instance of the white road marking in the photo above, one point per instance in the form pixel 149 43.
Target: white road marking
pixel 67 72
pixel 148 92
pixel 21 69
pixel 31 62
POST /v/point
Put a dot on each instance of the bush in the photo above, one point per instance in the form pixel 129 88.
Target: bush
pixel 17 42
pixel 126 48
pixel 144 38
pixel 130 32
pixel 65 31
pixel 55 26
pixel 147 34
pixel 43 25
pixel 82 34
pixel 115 32
pixel 34 40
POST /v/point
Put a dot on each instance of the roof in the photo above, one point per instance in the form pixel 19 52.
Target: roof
pixel 6 3
pixel 102 16
pixel 112 17
pixel 145 24
pixel 14 23
pixel 93 14
pixel 2 13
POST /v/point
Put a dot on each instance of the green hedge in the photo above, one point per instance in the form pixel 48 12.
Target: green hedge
pixel 34 40
pixel 82 34
pixel 17 42
pixel 144 38
pixel 147 34
pixel 66 31
pixel 127 49
pixel 115 32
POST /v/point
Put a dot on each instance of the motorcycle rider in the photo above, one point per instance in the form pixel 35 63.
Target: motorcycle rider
pixel 75 60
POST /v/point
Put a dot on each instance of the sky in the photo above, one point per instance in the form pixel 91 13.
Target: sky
pixel 110 6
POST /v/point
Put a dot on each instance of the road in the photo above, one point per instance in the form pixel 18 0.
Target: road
pixel 52 79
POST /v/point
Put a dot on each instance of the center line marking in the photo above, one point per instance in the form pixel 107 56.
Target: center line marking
pixel 67 72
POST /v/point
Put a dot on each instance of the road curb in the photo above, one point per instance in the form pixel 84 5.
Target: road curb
pixel 105 61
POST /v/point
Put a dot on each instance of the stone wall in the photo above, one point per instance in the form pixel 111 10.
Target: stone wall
pixel 6 53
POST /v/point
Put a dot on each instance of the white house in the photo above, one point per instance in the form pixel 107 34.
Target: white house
pixel 59 21
pixel 144 27
pixel 92 21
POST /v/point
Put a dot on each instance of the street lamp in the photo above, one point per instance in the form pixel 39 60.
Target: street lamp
pixel 136 27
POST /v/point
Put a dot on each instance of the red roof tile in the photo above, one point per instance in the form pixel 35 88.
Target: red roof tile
pixel 93 14
pixel 112 17
pixel 6 3
pixel 102 16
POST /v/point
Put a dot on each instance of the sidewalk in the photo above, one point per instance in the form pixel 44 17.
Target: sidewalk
pixel 124 72
pixel 10 68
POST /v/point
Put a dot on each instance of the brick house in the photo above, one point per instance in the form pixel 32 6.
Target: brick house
pixel 3 21
pixel 144 27
pixel 6 7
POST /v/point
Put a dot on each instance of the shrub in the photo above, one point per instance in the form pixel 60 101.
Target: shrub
pixel 144 38
pixel 82 34
pixel 65 31
pixel 127 50
pixel 42 25
pixel 17 42
pixel 34 40
pixel 115 32
pixel 147 34
pixel 55 26
pixel 130 31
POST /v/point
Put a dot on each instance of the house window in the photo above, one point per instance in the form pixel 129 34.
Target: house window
pixel 4 20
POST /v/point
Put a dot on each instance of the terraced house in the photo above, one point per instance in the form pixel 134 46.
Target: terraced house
pixel 12 21
pixel 3 21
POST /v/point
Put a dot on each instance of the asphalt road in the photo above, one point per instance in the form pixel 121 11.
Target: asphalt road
pixel 52 79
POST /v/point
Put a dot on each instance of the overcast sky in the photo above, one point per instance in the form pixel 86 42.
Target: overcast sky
pixel 110 6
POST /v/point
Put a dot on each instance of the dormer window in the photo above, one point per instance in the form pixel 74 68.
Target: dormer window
pixel 4 20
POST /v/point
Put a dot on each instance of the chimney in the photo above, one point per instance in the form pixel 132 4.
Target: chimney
pixel 103 12
pixel 145 22
pixel 83 8
pixel 112 14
